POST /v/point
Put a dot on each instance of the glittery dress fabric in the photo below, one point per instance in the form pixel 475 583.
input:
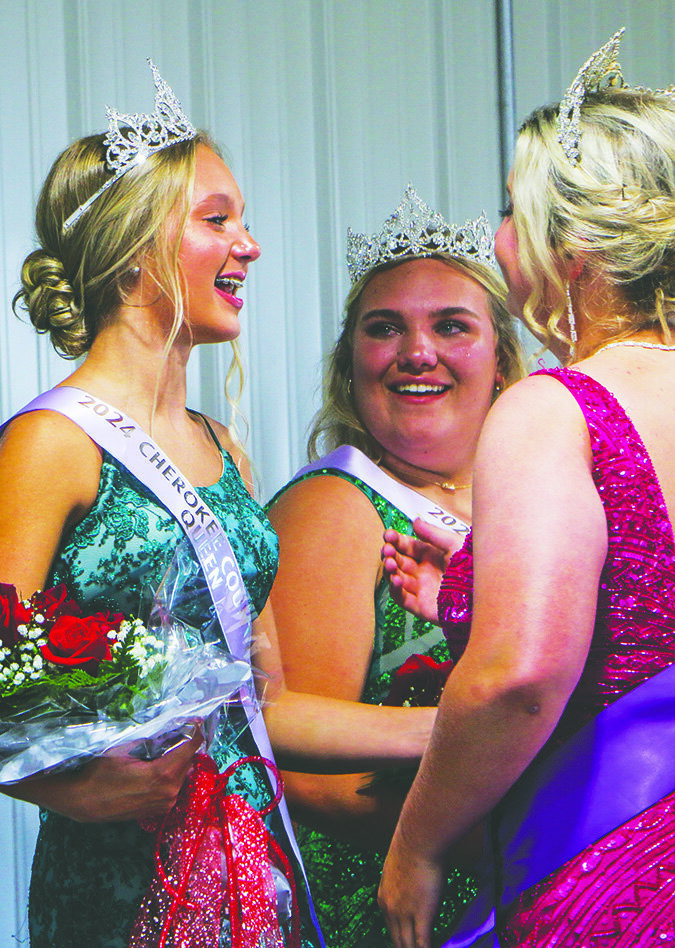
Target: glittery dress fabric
pixel 88 879
pixel 620 891
pixel 343 878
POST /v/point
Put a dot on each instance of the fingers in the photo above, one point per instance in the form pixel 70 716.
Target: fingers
pixel 409 895
pixel 447 541
pixel 400 543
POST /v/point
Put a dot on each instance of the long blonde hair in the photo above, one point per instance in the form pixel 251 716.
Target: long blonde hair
pixel 615 209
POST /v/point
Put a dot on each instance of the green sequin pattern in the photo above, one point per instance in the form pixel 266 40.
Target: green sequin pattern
pixel 344 879
pixel 88 879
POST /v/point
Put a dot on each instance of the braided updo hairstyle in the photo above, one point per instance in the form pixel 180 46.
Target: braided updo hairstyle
pixel 77 277
pixel 615 208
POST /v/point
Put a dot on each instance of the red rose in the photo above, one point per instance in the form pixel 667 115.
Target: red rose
pixel 9 604
pixel 74 640
pixel 419 682
pixel 54 602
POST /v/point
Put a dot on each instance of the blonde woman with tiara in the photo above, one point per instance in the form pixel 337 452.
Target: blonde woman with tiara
pixel 558 718
pixel 142 255
pixel 425 348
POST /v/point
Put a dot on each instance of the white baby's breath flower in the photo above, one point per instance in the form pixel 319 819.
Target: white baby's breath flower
pixel 39 618
pixel 18 678
pixel 23 629
pixel 14 666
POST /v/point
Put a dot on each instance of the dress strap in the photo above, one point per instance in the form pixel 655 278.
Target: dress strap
pixel 208 425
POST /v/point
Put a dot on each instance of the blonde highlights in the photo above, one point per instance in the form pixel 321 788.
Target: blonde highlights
pixel 615 211
pixel 77 278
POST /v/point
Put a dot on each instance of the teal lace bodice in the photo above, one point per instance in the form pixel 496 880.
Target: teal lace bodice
pixel 88 879
pixel 343 878
pixel 121 549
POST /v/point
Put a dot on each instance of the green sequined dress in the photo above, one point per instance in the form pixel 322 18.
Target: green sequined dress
pixel 88 879
pixel 344 879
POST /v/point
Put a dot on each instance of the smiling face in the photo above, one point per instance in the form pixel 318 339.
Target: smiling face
pixel 424 365
pixel 215 251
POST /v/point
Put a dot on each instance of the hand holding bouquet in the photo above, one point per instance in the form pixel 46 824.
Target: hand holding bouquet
pixel 74 686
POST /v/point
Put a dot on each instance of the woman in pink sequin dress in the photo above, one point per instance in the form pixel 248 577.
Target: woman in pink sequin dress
pixel 567 585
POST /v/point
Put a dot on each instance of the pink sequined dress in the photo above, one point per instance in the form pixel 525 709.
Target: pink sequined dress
pixel 620 891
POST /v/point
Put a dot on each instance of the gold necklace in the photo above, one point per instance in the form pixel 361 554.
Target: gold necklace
pixel 426 477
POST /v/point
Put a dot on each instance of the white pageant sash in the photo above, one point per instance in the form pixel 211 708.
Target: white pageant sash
pixel 352 461
pixel 126 441
pixel 121 437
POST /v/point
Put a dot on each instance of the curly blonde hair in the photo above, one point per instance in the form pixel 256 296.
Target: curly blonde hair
pixel 615 209
pixel 337 421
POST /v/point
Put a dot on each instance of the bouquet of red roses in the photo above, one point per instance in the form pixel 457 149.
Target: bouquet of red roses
pixel 73 686
pixel 418 683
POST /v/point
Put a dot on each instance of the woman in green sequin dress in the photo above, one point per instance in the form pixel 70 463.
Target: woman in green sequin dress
pixel 151 267
pixel 425 347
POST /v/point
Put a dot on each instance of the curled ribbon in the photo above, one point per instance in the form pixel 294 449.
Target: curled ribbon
pixel 213 851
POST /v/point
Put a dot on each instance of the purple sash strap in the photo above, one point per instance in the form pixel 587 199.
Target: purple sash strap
pixel 352 461
pixel 125 440
pixel 618 765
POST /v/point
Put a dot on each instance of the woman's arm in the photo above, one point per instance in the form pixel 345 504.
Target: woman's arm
pixel 49 474
pixel 323 601
pixel 540 542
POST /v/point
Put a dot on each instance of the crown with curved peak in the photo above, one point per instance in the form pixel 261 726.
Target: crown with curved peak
pixel 416 230
pixel 602 67
pixel 131 138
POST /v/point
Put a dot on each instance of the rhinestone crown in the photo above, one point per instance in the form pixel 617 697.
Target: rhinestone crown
pixel 415 230
pixel 132 138
pixel 602 69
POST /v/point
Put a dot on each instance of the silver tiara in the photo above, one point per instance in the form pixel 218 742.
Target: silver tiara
pixel 415 230
pixel 141 135
pixel 602 68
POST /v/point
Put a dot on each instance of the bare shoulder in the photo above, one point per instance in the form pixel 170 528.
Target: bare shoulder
pixel 327 502
pixel 47 443
pixel 49 476
pixel 537 411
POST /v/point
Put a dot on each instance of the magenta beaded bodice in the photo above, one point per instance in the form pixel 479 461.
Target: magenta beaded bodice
pixel 634 633
pixel 620 891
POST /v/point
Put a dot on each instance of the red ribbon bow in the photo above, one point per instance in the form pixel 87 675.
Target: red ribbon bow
pixel 214 848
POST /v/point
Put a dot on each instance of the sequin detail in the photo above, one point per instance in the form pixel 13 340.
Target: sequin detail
pixel 343 878
pixel 620 891
pixel 88 878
